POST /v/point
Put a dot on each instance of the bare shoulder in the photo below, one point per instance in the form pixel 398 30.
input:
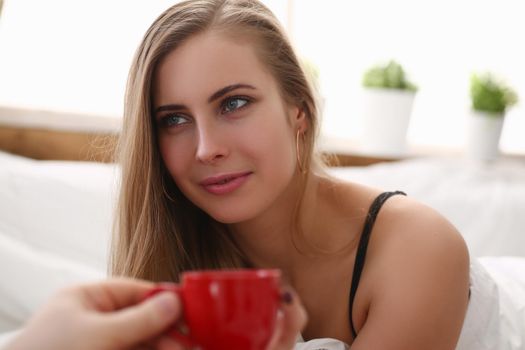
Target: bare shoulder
pixel 417 240
pixel 418 268
pixel 407 225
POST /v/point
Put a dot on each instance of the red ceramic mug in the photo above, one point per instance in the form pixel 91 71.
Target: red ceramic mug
pixel 227 309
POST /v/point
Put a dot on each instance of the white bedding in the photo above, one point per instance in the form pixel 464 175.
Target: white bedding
pixel 64 208
pixel 55 222
pixel 30 275
pixel 55 217
pixel 486 202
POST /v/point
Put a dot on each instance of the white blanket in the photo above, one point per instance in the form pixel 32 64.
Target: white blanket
pixel 496 314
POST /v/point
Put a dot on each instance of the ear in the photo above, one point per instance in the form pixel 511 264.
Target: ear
pixel 299 120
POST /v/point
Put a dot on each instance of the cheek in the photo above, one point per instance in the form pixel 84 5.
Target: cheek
pixel 175 154
pixel 273 145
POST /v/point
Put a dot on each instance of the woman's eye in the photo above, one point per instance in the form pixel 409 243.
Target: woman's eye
pixel 234 103
pixel 172 120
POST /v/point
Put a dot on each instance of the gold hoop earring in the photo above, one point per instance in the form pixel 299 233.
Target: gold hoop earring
pixel 298 152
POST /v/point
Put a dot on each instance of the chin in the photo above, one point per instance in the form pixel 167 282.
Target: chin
pixel 230 216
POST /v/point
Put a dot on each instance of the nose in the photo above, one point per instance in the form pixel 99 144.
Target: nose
pixel 211 146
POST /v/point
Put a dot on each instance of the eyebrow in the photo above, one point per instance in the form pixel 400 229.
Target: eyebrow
pixel 216 95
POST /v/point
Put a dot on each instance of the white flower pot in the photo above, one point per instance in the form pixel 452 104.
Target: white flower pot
pixel 484 132
pixel 386 116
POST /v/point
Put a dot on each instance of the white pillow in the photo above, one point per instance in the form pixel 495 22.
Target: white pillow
pixel 62 207
pixel 28 277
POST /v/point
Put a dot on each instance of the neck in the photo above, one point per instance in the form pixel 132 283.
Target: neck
pixel 268 239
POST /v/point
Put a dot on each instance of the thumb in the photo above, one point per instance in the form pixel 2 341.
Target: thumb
pixel 141 322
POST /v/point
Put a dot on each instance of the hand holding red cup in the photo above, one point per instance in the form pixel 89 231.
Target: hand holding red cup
pixel 227 309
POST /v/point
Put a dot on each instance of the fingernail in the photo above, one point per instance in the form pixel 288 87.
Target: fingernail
pixel 167 304
pixel 287 297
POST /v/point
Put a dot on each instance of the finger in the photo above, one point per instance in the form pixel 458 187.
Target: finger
pixel 143 321
pixel 115 294
pixel 144 347
pixel 167 343
pixel 289 323
pixel 273 344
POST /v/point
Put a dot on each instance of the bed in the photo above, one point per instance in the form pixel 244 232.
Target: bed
pixel 55 216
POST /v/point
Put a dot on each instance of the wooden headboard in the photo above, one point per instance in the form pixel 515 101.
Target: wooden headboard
pixel 58 145
pixel 52 135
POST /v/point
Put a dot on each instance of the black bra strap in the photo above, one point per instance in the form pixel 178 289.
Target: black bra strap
pixel 363 245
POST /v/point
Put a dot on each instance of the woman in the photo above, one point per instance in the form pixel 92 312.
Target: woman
pixel 219 170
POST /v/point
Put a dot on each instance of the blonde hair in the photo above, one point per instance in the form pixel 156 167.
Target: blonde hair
pixel 158 232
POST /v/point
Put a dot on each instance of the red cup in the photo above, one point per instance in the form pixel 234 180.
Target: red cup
pixel 227 309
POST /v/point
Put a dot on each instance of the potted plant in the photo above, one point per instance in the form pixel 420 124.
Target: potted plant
pixel 387 99
pixel 490 97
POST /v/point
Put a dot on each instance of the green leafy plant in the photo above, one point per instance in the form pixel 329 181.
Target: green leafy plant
pixel 490 94
pixel 388 76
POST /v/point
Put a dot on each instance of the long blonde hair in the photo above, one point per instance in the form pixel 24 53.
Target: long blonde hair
pixel 158 232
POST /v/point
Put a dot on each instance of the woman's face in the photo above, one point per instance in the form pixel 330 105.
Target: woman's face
pixel 225 134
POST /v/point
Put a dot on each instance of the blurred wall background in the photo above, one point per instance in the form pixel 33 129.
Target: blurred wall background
pixel 74 56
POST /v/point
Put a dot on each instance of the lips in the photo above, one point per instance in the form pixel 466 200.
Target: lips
pixel 225 183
